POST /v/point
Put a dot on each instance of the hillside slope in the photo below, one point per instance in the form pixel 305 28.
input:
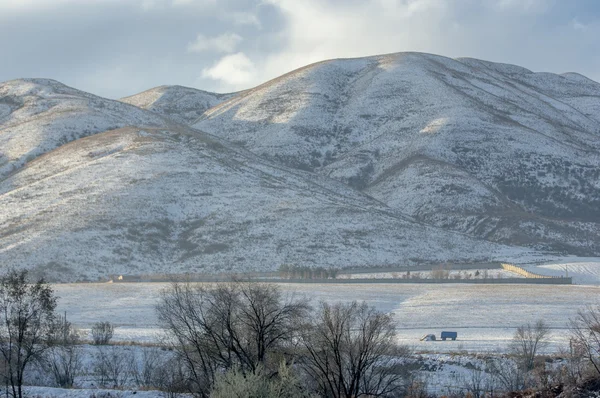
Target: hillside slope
pixel 138 201
pixel 38 115
pixel 182 104
pixel 492 150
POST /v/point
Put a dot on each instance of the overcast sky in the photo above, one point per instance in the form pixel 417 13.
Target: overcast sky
pixel 116 48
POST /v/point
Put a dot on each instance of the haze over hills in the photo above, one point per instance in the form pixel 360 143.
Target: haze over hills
pixel 488 149
pixel 395 159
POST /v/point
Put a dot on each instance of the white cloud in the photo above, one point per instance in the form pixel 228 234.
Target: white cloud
pixel 529 6
pixel 24 4
pixel 245 18
pixel 237 71
pixel 153 4
pixel 225 43
pixel 317 30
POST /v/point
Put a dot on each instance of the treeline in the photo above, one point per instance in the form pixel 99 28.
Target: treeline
pixel 290 271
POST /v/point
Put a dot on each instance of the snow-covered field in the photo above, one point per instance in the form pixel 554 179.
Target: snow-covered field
pixel 485 316
pixel 585 271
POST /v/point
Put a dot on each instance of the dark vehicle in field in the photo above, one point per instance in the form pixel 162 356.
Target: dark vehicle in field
pixel 449 335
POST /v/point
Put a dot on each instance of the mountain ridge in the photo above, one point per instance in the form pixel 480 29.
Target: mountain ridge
pixel 357 120
pixel 396 159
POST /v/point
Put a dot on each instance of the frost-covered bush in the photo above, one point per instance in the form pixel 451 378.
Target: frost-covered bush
pixel 235 384
pixel 113 366
pixel 102 332
pixel 63 362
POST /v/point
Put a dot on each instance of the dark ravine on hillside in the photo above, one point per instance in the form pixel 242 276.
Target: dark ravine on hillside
pixel 392 160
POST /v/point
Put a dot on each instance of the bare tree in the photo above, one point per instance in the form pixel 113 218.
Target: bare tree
pixel 63 360
pixel 349 350
pixel 585 331
pixel 528 341
pixel 102 332
pixel 477 383
pixel 113 366
pixel 147 370
pixel 223 326
pixel 27 312
pixel 507 374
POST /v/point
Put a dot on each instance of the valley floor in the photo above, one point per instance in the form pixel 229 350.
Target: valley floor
pixel 485 316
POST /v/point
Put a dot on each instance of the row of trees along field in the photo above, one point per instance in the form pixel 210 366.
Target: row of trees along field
pixel 251 340
pixel 290 271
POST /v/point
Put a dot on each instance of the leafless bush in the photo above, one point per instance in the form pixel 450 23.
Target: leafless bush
pixel 348 351
pixel 63 360
pixel 478 383
pixel 574 367
pixel 102 332
pixel 148 371
pixel 174 379
pixel 585 331
pixel 416 388
pixel 507 374
pixel 528 341
pixel 113 365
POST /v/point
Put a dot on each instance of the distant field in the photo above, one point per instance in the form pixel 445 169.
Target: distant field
pixel 484 316
pixel 585 271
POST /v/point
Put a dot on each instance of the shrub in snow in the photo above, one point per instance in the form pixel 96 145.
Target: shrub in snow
pixel 102 333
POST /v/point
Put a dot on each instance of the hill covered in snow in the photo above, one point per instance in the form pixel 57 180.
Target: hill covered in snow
pixel 139 201
pixel 182 104
pixel 39 115
pixel 492 150
pixel 390 160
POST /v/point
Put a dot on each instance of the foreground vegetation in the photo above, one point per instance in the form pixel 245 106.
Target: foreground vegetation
pixel 251 340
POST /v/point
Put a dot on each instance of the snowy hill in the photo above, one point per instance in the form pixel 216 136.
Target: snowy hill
pixel 182 104
pixel 137 201
pixel 488 149
pixel 38 115
pixel 397 159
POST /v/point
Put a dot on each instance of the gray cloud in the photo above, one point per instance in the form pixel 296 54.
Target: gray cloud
pixel 116 48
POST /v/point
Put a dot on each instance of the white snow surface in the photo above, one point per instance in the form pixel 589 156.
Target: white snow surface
pixel 142 201
pixel 414 158
pixel 485 316
pixel 489 149
pixel 39 115
pixel 584 271
pixel 182 104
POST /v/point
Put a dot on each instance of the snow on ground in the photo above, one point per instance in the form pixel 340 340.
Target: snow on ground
pixel 485 316
pixel 585 271
pixel 50 392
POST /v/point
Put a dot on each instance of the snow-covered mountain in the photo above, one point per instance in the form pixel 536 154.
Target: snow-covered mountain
pixel 488 149
pixel 139 201
pixel 395 159
pixel 38 115
pixel 182 104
